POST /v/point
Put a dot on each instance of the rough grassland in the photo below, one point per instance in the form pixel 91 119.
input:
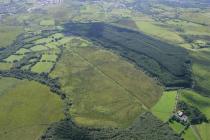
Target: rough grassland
pixel 26 109
pixel 8 34
pixel 102 96
pixel 164 108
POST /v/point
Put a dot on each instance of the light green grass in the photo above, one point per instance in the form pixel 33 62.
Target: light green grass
pixel 194 99
pixel 39 48
pixel 189 135
pixel 42 67
pixel 26 109
pixel 204 130
pixel 43 40
pixel 5 66
pixel 13 58
pixel 164 108
pixel 49 22
pixel 153 29
pixel 104 97
pixel 22 51
pixel 177 127
pixel 49 57
pixel 57 35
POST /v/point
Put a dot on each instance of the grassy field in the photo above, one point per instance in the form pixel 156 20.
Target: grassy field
pixel 102 96
pixel 164 108
pixel 195 99
pixel 42 67
pixel 26 109
pixel 177 127
pixel 156 30
pixel 5 66
pixel 204 130
pixel 49 22
pixel 22 51
pixel 189 134
pixel 49 57
pixel 39 48
pixel 8 34
pixel 13 58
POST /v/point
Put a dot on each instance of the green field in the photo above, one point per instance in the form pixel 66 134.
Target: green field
pixel 26 109
pixel 8 34
pixel 5 66
pixel 102 96
pixel 177 127
pixel 39 48
pixel 42 67
pixel 13 58
pixel 49 22
pixel 49 57
pixel 189 134
pixel 22 51
pixel 165 106
pixel 203 131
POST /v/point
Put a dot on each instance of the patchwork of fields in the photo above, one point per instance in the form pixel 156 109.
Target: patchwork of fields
pixel 104 70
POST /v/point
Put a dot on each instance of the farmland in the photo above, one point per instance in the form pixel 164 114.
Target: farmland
pixel 101 69
pixel 165 106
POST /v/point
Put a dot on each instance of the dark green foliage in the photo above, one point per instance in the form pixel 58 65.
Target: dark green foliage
pixel 169 63
pixel 195 115
pixel 146 127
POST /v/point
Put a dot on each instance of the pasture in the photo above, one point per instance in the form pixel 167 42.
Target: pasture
pixel 104 97
pixel 47 22
pixel 42 67
pixel 22 51
pixel 5 66
pixel 49 58
pixel 8 34
pixel 177 127
pixel 164 107
pixel 13 58
pixel 203 130
pixel 26 109
pixel 189 134
pixel 39 48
